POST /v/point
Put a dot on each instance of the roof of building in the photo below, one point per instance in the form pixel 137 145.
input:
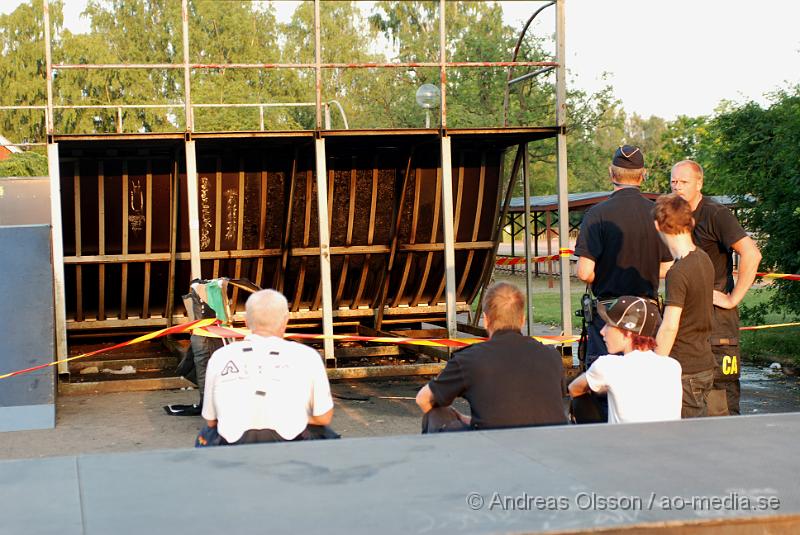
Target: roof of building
pixel 10 146
pixel 546 203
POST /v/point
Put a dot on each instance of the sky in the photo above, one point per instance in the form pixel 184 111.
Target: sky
pixel 662 57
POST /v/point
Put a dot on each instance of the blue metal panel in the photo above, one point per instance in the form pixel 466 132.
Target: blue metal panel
pixel 26 314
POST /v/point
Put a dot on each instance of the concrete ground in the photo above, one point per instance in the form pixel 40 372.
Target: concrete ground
pixel 136 421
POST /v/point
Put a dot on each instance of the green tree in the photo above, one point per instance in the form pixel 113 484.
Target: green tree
pixel 684 138
pixel 752 151
pixel 24 164
pixel 237 32
pixel 345 37
pixel 23 69
pixel 122 31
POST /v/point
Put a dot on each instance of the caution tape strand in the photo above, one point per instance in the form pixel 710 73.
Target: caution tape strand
pixel 514 260
pixel 210 328
pixel 177 329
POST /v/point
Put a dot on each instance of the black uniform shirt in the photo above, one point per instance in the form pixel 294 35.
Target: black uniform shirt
pixel 715 231
pixel 621 238
pixel 510 380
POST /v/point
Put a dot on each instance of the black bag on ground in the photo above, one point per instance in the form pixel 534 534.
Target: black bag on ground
pixel 586 409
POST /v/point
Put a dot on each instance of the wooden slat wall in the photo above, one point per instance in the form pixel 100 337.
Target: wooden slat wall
pixel 373 263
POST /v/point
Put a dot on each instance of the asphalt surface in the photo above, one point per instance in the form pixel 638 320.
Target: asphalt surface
pixel 136 421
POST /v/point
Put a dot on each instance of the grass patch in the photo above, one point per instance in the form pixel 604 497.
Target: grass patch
pixel 779 344
pixel 546 300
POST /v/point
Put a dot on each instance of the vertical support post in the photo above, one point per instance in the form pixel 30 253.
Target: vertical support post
pixel 442 70
pixel 261 118
pixel 513 219
pixel 324 247
pixel 536 242
pixel 318 67
pixel 119 120
pixel 187 72
pixel 58 254
pixel 526 192
pixel 49 64
pixel 549 234
pixel 449 237
pixel 561 165
pixel 194 211
pixel 173 237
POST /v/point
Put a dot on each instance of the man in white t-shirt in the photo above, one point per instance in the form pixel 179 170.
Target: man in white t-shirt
pixel 265 388
pixel 641 385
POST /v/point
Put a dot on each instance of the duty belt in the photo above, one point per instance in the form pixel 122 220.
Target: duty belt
pixel 607 300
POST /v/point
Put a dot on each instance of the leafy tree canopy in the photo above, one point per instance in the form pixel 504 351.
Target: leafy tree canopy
pixel 751 151
pixel 24 164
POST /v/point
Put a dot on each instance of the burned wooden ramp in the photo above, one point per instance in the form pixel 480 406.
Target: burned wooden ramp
pixel 126 225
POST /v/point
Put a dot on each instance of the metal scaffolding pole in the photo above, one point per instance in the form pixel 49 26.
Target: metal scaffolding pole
pixel 447 189
pixel 317 67
pixel 563 190
pixel 56 236
pixel 187 70
pixel 49 66
pixel 442 66
pixel 322 199
pixel 526 192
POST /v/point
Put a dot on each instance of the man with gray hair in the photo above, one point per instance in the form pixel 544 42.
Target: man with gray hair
pixel 619 251
pixel 511 380
pixel 265 388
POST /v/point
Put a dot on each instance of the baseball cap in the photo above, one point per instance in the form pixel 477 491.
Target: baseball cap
pixel 628 157
pixel 634 314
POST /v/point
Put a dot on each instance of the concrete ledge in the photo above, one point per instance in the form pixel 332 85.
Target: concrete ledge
pixel 602 478
pixel 27 417
pixel 124 385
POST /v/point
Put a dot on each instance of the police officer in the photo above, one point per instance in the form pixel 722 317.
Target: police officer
pixel 619 250
pixel 718 233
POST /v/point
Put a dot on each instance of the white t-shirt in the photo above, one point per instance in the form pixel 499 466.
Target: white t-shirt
pixel 265 383
pixel 641 386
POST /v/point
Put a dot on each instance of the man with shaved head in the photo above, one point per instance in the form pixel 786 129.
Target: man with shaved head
pixel 511 380
pixel 719 234
pixel 265 388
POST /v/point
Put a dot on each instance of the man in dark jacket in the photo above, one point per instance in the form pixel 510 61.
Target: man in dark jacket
pixel 719 234
pixel 511 380
pixel 619 254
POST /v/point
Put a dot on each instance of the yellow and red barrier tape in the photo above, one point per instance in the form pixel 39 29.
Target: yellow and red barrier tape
pixel 176 329
pixel 786 276
pixel 514 260
pixel 218 331
pixel 209 327
pixel 759 327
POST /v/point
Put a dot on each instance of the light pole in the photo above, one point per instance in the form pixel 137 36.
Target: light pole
pixel 428 98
